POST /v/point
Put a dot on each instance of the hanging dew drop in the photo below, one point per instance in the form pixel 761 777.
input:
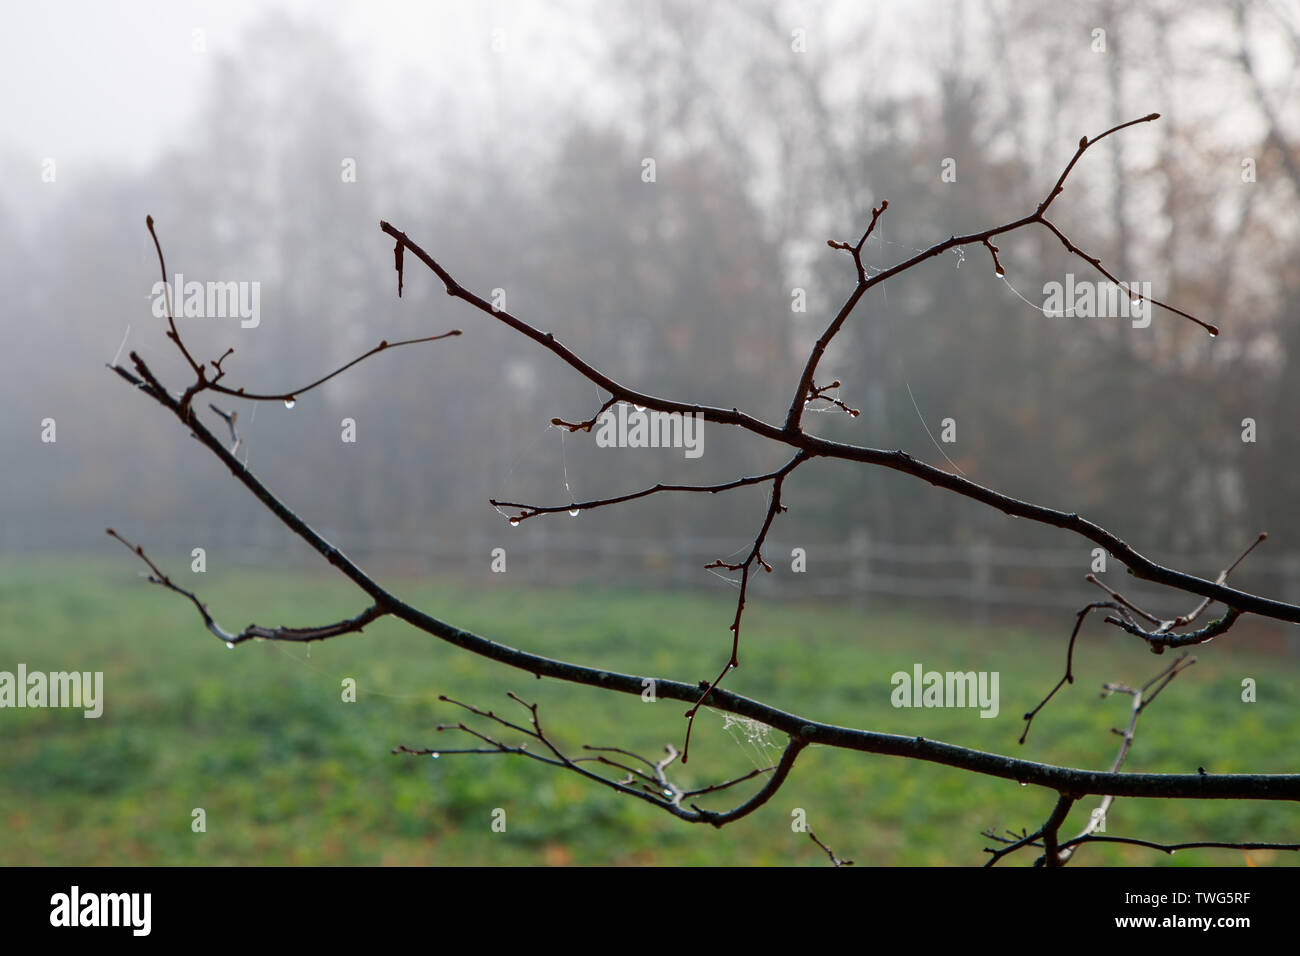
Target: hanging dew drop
pixel 435 756
pixel 514 522
pixel 573 512
pixel 639 408
pixel 230 645
pixel 289 402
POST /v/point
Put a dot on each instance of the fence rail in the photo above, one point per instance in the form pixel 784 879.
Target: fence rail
pixel 979 574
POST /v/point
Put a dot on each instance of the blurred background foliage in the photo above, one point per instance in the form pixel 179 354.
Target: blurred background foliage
pixel 683 287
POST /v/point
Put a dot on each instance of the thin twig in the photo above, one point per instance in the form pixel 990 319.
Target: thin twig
pixel 835 860
pixel 254 631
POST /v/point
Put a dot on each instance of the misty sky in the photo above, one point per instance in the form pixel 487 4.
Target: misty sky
pixel 95 81
pixel 90 81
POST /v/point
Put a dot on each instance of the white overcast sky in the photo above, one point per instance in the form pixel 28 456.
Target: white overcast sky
pixel 115 81
pixel 109 83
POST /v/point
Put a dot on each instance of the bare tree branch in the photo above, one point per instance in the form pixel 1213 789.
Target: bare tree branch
pixel 254 631
pixel 835 860
pixel 654 787
pixel 1047 837
pixel 649 780
pixel 793 435
pixel 1159 638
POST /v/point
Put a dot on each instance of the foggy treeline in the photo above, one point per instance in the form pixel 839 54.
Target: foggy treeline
pixel 772 129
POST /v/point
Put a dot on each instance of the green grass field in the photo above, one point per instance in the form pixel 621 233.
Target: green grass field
pixel 289 773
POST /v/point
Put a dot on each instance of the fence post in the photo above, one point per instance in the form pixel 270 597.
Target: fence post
pixel 538 562
pixel 981 580
pixel 682 574
pixel 611 570
pixel 860 569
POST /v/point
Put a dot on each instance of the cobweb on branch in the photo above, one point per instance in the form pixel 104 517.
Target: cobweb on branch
pixel 754 738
